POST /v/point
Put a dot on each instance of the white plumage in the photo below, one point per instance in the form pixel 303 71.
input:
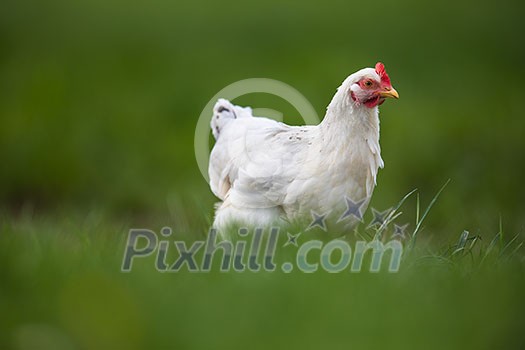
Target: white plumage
pixel 268 172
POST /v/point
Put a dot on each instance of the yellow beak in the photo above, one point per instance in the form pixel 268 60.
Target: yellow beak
pixel 389 92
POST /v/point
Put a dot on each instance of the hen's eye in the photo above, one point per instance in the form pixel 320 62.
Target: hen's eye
pixel 368 83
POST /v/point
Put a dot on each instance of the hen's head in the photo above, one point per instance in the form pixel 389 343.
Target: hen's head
pixel 370 87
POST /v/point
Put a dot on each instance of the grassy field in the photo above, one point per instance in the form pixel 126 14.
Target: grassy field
pixel 63 289
pixel 99 101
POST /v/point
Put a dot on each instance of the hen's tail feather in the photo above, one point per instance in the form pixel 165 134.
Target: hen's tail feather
pixel 223 113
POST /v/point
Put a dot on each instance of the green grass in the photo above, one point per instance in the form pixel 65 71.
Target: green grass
pixel 62 288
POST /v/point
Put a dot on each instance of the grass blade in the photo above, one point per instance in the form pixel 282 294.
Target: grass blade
pixel 427 210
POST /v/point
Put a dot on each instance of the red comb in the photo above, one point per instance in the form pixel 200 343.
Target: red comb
pixel 380 70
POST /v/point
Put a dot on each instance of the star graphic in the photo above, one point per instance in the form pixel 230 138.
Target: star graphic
pixel 399 231
pixel 353 209
pixel 292 239
pixel 379 217
pixel 318 220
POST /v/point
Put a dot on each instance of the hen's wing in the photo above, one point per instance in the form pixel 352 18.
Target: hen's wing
pixel 254 159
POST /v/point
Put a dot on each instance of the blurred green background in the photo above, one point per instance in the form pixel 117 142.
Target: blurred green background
pixel 99 102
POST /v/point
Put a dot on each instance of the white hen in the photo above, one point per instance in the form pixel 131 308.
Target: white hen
pixel 265 171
